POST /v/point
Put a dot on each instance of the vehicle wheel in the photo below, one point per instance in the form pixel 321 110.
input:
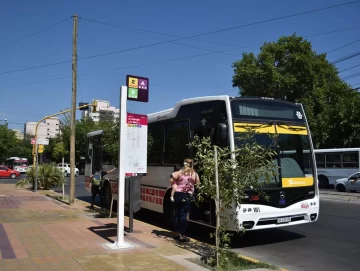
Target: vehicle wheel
pixel 77 174
pixel 354 191
pixel 323 182
pixel 13 176
pixel 65 174
pixel 167 210
pixel 340 188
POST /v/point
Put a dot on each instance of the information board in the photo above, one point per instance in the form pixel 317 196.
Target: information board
pixel 136 145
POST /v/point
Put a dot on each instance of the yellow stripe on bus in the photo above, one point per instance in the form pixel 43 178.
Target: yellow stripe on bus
pixel 292 130
pixel 297 182
pixel 260 128
pixel 265 128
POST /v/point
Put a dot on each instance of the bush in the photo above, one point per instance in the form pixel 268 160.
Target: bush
pixel 48 177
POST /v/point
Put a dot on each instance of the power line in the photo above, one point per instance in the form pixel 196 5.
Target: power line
pixel 351 76
pixel 33 34
pixel 341 59
pixel 123 68
pixel 189 37
pixel 338 48
pixel 332 32
pixel 349 68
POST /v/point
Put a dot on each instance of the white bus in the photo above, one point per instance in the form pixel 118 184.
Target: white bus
pixel 293 198
pixel 334 164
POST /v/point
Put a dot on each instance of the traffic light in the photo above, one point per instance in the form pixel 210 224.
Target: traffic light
pixel 83 108
pixel 40 148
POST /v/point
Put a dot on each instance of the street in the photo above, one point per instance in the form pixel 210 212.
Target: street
pixel 331 243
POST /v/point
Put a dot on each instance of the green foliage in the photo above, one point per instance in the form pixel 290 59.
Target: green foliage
pixel 290 69
pixel 59 151
pixel 251 167
pixel 11 146
pixel 48 177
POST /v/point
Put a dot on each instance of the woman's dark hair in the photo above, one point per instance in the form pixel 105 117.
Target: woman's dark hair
pixel 177 167
pixel 98 167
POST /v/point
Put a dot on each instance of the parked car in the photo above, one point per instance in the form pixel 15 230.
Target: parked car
pixel 66 169
pixel 6 172
pixel 351 183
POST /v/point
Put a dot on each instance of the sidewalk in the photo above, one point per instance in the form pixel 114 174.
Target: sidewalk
pixel 40 233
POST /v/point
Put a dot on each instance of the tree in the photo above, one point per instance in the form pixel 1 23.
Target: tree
pixel 254 166
pixel 59 151
pixel 290 69
pixel 10 145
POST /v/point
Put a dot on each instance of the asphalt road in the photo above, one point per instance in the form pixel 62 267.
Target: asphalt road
pixel 332 243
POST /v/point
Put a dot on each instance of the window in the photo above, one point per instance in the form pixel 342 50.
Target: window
pixel 350 160
pixel 156 130
pixel 333 160
pixel 320 160
pixel 176 140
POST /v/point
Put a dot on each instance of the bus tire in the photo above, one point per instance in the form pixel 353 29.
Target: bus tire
pixel 323 181
pixel 106 194
pixel 167 210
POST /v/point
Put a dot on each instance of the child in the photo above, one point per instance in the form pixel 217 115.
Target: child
pixel 174 185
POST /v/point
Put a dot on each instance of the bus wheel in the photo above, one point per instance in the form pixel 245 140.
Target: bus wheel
pixel 106 195
pixel 167 210
pixel 323 181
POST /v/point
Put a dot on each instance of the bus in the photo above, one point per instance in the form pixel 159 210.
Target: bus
pixel 334 164
pixel 17 163
pixel 293 198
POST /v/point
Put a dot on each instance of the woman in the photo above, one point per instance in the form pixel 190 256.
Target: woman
pixel 185 180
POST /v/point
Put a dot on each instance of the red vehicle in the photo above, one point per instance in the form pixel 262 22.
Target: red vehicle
pixel 6 172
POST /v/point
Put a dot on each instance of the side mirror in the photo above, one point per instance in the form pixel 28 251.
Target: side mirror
pixel 222 134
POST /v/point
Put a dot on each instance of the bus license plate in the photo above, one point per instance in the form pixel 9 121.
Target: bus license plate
pixel 283 220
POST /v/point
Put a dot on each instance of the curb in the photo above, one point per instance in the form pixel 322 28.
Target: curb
pixel 340 196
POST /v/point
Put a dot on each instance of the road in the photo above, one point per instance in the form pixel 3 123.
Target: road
pixel 332 243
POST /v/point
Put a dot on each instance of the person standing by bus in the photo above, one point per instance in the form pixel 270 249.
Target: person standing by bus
pixel 185 180
pixel 96 181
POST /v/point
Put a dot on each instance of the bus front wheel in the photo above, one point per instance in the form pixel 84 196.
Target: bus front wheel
pixel 323 181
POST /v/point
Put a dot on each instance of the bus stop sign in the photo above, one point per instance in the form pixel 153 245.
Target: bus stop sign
pixel 137 88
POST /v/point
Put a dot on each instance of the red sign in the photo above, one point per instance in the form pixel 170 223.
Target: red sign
pixel 136 119
pixel 33 141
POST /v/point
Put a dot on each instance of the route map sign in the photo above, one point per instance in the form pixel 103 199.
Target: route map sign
pixel 136 145
pixel 138 88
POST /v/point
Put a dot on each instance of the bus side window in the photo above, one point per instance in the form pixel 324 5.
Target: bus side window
pixel 177 136
pixel 333 160
pixel 320 160
pixel 156 130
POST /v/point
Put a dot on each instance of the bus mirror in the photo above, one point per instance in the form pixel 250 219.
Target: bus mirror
pixel 222 134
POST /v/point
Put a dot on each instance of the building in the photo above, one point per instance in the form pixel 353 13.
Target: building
pixel 103 112
pixel 19 134
pixel 49 128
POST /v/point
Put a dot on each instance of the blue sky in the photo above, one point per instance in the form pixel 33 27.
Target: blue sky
pixel 24 100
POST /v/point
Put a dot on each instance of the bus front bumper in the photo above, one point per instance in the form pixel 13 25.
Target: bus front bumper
pixel 257 217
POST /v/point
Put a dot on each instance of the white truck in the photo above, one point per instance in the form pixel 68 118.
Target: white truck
pixel 66 169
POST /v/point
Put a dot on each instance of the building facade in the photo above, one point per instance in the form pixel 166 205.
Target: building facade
pixel 103 112
pixel 49 128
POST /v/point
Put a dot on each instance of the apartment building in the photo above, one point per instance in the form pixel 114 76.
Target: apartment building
pixel 103 112
pixel 49 128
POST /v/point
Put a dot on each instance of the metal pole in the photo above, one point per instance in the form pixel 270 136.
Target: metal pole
pixel 36 169
pixel 131 204
pixel 73 113
pixel 63 186
pixel 217 201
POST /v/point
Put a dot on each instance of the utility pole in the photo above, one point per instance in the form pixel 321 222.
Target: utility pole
pixel 73 111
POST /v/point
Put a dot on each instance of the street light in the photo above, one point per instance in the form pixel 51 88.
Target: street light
pixel 6 123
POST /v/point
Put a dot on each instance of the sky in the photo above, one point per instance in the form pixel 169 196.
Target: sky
pixel 176 71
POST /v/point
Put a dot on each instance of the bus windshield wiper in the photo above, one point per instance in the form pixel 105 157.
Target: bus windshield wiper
pixel 256 126
pixel 287 126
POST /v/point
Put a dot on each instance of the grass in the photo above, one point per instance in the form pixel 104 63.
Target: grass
pixel 235 262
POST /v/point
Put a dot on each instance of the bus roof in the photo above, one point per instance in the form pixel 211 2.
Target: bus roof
pixel 337 150
pixel 172 112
